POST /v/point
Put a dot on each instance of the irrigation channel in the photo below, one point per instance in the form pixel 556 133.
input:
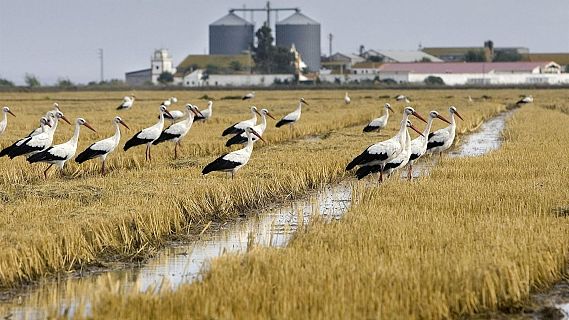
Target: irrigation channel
pixel 182 263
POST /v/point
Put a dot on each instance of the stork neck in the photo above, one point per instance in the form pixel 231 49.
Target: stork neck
pixel 190 118
pixel 5 117
pixel 452 121
pixel 264 121
pixel 161 118
pixel 249 145
pixel 386 113
pixel 209 106
pixel 428 127
pixel 75 137
pixel 54 125
pixel 299 108
pixel 117 135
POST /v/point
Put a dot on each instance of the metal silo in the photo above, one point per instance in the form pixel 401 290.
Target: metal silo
pixel 305 34
pixel 230 35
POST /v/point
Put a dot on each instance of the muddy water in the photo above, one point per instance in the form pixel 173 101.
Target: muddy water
pixel 184 263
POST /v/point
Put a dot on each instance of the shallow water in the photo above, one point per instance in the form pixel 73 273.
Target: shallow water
pixel 183 263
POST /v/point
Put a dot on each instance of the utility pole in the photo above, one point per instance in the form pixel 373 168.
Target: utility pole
pixel 330 38
pixel 102 64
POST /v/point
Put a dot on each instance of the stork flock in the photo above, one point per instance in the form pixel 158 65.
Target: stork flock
pixel 383 157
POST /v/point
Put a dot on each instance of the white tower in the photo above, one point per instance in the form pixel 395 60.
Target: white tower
pixel 161 62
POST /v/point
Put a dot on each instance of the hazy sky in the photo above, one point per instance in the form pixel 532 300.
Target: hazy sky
pixel 60 38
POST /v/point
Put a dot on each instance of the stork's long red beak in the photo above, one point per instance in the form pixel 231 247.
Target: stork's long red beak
pixel 10 112
pixel 168 113
pixel 257 112
pixel 124 124
pixel 258 136
pixel 271 116
pixel 458 115
pixel 390 109
pixel 65 119
pixel 443 118
pixel 86 124
pixel 419 116
pixel 48 124
pixel 416 130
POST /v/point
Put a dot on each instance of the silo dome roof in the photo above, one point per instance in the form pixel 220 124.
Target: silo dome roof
pixel 231 19
pixel 298 19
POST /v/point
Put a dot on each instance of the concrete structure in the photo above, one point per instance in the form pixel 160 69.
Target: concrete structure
pixel 476 73
pixel 304 33
pixel 230 35
pixel 390 56
pixel 199 78
pixel 161 61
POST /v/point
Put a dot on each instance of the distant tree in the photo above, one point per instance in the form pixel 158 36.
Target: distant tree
pixel 31 80
pixel 165 77
pixel 64 83
pixel 507 56
pixel 474 56
pixel 269 58
pixel 426 59
pixel 434 80
pixel 235 65
pixel 212 69
pixel 6 83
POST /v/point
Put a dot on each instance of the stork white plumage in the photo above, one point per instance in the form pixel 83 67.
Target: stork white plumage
pixel 148 135
pixel 233 161
pixel 101 149
pixel 419 145
pixel 50 118
pixel 60 153
pixel 34 144
pixel 402 98
pixel 239 127
pixel 380 153
pixel 394 164
pixel 249 96
pixel 525 100
pixel 4 121
pixel 260 129
pixel 293 117
pixel 178 131
pixel 442 139
pixel 44 125
pixel 347 99
pixel 381 122
pixel 174 115
pixel 127 102
pixel 206 113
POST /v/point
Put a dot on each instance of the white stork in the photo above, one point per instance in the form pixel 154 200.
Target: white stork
pixel 381 122
pixel 60 153
pixel 249 96
pixel 233 161
pixel 398 162
pixel 347 99
pixel 178 131
pixel 419 145
pixel 44 125
pixel 525 100
pixel 174 114
pixel 239 127
pixel 292 117
pixel 442 139
pixel 101 149
pixel 50 118
pixel 381 153
pixel 402 98
pixel 206 113
pixel 260 129
pixel 148 135
pixel 34 144
pixel 127 102
pixel 4 122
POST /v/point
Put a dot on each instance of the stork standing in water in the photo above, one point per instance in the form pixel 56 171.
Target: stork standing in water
pixel 101 149
pixel 233 161
pixel 442 139
pixel 59 154
pixel 206 113
pixel 127 102
pixel 419 145
pixel 178 131
pixel 260 129
pixel 148 135
pixel 381 153
pixel 36 143
pixel 4 122
pixel 239 127
pixel 398 162
pixel 249 96
pixel 381 122
pixel 347 99
pixel 525 100
pixel 293 117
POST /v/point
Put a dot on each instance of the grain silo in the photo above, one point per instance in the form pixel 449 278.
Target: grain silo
pixel 230 35
pixel 304 33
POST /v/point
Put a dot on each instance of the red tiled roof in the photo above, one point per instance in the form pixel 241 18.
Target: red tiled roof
pixel 462 67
